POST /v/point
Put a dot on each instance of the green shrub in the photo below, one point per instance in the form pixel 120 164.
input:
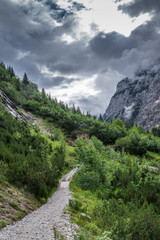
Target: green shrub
pixel 126 202
pixel 27 159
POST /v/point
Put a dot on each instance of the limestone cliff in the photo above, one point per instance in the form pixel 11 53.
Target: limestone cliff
pixel 12 108
pixel 137 99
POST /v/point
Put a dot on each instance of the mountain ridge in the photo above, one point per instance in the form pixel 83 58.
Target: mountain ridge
pixel 137 100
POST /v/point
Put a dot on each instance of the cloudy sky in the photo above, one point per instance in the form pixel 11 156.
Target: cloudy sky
pixel 79 49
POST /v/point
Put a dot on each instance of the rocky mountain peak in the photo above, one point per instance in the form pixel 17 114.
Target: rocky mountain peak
pixel 137 99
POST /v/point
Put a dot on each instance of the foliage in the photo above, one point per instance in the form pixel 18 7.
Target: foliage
pixel 124 203
pixel 117 194
pixel 138 143
pixel 28 159
pixel 71 120
pixel 25 79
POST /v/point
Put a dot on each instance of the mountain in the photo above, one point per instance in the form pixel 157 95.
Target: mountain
pixel 137 99
pixel 35 152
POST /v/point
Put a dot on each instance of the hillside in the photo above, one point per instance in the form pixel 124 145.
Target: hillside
pixel 33 153
pixel 14 203
pixel 25 95
pixel 116 189
pixel 137 99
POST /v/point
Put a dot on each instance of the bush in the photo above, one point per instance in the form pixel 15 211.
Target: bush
pixel 28 159
pixel 126 202
pixel 138 144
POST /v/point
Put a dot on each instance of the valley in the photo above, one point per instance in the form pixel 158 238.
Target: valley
pixel 115 191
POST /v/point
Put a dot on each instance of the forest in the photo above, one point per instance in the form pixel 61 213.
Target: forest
pixel 116 190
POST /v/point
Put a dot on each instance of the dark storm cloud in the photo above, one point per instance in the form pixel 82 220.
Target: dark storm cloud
pixel 31 39
pixel 56 81
pixel 126 54
pixel 29 28
pixel 110 45
pixel 78 6
pixel 146 37
pixel 113 45
pixel 53 5
pixel 59 13
pixel 137 7
pixel 66 68
pixel 145 32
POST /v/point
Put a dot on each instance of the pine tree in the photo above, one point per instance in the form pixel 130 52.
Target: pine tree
pixel 18 84
pixel 88 114
pixel 66 106
pixel 11 71
pixel 78 110
pixel 2 65
pixel 43 93
pixel 25 79
pixel 100 117
pixel 73 108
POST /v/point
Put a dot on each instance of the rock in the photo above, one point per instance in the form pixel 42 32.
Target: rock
pixel 12 108
pixel 137 100
pixel 51 215
pixel 85 216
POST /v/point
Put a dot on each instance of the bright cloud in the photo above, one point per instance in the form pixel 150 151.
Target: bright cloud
pixel 105 15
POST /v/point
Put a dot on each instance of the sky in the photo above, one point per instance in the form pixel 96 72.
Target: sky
pixel 79 50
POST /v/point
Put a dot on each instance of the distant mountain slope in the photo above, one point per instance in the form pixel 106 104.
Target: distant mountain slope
pixel 137 99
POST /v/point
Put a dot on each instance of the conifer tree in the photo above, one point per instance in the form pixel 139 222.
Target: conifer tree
pixel 73 109
pixel 2 65
pixel 11 71
pixel 78 110
pixel 43 93
pixel 25 79
pixel 100 117
pixel 88 114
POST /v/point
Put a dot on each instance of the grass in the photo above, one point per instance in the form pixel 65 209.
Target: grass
pixel 81 208
pixel 152 160
pixel 3 223
pixel 14 203
pixel 58 235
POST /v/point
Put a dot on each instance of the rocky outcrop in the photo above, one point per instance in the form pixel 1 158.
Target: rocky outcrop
pixel 137 99
pixel 12 108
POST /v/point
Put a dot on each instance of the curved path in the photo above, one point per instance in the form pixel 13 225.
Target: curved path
pixel 40 224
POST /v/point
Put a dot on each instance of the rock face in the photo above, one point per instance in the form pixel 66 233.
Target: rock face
pixel 137 99
pixel 11 107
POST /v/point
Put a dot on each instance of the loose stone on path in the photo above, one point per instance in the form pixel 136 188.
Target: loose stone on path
pixel 39 225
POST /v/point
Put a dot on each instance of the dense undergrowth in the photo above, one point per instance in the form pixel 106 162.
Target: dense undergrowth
pixel 30 159
pixel 117 196
pixel 117 186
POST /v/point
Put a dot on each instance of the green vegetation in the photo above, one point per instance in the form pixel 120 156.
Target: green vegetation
pixel 137 142
pixel 117 185
pixel 14 203
pixel 118 194
pixel 70 120
pixel 29 159
pixel 58 235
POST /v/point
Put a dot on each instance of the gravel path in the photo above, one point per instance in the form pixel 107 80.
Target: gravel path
pixel 39 224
